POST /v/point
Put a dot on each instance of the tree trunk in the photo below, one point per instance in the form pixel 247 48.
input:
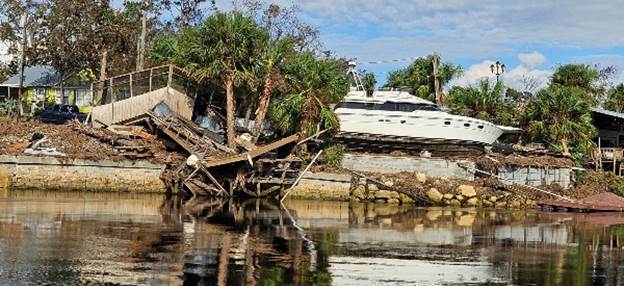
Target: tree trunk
pixel 62 88
pixel 140 61
pixel 103 75
pixel 230 110
pixel 436 82
pixel 564 146
pixel 20 107
pixel 263 106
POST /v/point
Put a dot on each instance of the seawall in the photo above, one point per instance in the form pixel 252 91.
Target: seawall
pixel 64 174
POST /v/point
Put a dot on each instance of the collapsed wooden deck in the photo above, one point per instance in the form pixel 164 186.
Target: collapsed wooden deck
pixel 204 174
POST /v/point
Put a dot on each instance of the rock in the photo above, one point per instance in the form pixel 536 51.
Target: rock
pixel 473 202
pixel 500 205
pixel 386 221
pixel 359 192
pixel 393 201
pixel 455 203
pixel 419 227
pixel 421 178
pixel 433 215
pixel 370 196
pixel 434 195
pixel 488 203
pixel 389 183
pixel 493 199
pixel 372 188
pixel 363 181
pixel 514 204
pixel 448 196
pixel 405 199
pixel 465 220
pixel 460 198
pixel 467 191
pixel 385 194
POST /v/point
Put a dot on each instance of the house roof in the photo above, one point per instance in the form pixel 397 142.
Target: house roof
pixel 602 111
pixel 35 76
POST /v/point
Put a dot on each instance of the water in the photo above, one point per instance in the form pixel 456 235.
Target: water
pixel 125 239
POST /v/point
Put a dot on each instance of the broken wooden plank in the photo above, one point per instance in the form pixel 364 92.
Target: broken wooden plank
pixel 252 154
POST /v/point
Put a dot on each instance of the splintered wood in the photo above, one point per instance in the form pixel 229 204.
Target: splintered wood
pixel 209 169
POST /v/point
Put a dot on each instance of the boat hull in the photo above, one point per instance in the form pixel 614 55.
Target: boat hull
pixel 430 127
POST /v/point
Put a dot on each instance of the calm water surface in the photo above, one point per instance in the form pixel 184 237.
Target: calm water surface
pixel 125 239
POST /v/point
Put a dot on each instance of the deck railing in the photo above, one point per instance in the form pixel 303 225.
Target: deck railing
pixel 135 83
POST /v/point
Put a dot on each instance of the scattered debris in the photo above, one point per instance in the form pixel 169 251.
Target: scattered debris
pixel 604 201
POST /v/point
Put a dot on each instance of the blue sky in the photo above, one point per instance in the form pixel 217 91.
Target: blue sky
pixel 530 37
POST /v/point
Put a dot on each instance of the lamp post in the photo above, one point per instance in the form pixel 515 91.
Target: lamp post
pixel 497 68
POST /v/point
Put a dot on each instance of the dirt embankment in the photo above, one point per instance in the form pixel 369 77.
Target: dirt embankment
pixel 15 136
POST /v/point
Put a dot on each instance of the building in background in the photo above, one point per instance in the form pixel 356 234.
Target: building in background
pixel 42 88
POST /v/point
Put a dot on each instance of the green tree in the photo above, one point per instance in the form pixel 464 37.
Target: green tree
pixel 615 98
pixel 369 81
pixel 593 80
pixel 561 116
pixel 270 65
pixel 314 85
pixel 222 48
pixel 484 102
pixel 419 76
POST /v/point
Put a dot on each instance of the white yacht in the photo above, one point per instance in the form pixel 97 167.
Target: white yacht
pixel 391 114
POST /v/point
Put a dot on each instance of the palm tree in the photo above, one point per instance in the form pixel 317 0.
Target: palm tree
pixel 369 81
pixel 484 102
pixel 223 48
pixel 561 116
pixel 314 85
pixel 615 98
pixel 270 65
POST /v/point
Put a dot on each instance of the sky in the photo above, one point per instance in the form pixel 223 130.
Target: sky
pixel 530 37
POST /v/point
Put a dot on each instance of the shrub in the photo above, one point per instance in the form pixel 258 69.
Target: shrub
pixel 7 107
pixel 333 155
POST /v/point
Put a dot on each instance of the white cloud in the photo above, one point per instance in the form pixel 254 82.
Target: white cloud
pixel 388 29
pixel 520 77
pixel 557 22
pixel 531 60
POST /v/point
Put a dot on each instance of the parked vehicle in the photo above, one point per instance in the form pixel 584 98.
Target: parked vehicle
pixel 61 113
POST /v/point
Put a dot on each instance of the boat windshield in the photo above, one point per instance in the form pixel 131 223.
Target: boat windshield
pixel 390 106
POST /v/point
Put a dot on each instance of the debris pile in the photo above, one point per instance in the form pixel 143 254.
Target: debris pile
pixel 76 141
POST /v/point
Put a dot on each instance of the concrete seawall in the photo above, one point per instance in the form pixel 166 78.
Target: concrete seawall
pixel 432 167
pixel 323 186
pixel 47 173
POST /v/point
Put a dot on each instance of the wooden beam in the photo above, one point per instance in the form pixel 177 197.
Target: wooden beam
pixel 170 76
pixel 254 153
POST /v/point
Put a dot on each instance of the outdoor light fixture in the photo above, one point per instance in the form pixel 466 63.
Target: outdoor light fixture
pixel 497 68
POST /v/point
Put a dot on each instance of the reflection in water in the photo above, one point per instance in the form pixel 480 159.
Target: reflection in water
pixel 126 239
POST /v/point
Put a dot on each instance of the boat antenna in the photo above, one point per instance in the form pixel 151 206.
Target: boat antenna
pixel 353 74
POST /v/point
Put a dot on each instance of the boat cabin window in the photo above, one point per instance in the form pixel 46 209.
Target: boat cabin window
pixel 390 106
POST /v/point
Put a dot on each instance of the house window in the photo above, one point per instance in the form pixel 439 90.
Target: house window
pixel 83 97
pixel 40 95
